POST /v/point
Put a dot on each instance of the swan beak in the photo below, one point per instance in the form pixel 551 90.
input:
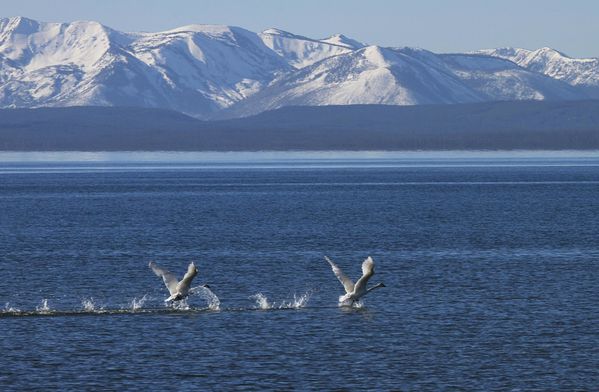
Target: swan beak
pixel 382 285
pixel 206 286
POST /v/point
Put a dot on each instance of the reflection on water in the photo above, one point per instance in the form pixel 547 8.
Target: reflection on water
pixel 294 157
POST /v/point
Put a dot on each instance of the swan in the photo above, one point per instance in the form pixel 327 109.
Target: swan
pixel 353 292
pixel 177 290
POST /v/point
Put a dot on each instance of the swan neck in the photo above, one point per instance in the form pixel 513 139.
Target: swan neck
pixel 373 288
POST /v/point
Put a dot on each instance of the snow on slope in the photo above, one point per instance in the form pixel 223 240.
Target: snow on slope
pixel 502 80
pixel 194 69
pixel 47 60
pixel 342 40
pixel 219 63
pixel 35 45
pixel 301 52
pixel 406 76
pixel 583 73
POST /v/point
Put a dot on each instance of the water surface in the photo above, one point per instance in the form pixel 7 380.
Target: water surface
pixel 490 263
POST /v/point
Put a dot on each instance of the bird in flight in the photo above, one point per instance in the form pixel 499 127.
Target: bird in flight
pixel 178 290
pixel 353 292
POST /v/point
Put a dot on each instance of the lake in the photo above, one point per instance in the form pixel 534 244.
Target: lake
pixel 490 261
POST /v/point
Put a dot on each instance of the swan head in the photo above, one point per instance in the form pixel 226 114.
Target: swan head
pixel 381 285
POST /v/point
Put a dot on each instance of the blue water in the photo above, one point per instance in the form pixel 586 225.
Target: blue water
pixel 491 267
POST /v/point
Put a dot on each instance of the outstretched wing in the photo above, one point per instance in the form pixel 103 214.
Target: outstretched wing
pixel 170 280
pixel 348 285
pixel 367 272
pixel 192 271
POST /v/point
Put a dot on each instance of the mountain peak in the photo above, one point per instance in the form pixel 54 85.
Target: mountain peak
pixel 275 31
pixel 19 25
pixel 201 28
pixel 297 50
pixel 377 55
pixel 552 63
pixel 507 51
pixel 342 40
pixel 21 20
pixel 548 52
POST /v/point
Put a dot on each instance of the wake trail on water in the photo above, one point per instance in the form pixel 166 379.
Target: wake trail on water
pixel 90 307
pixel 138 306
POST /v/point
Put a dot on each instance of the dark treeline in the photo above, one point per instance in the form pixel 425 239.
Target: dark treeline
pixel 498 125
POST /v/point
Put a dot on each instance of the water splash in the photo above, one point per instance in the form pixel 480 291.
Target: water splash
pixel 350 304
pixel 358 305
pixel 180 305
pixel 137 304
pixel 207 294
pixel 43 307
pixel 89 305
pixel 297 302
pixel 10 309
pixel 261 301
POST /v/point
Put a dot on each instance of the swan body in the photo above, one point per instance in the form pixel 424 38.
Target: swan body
pixel 178 290
pixel 354 292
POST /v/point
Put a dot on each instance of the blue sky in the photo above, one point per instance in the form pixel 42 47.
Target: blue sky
pixel 438 25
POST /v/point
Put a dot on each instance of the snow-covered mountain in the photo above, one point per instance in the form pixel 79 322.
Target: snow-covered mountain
pixel 582 73
pixel 301 51
pixel 406 76
pixel 210 70
pixel 193 69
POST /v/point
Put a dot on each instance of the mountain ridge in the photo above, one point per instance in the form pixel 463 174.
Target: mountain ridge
pixel 218 71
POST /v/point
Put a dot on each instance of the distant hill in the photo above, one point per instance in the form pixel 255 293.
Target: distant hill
pixel 490 126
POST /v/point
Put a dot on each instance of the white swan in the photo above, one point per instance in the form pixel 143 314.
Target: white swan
pixel 353 292
pixel 177 290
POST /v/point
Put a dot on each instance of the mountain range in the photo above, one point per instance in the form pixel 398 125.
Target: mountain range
pixel 218 72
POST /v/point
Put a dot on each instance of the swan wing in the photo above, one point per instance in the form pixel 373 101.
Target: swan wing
pixel 192 271
pixel 347 283
pixel 367 272
pixel 169 279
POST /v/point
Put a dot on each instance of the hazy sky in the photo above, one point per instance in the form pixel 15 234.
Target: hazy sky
pixel 438 25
